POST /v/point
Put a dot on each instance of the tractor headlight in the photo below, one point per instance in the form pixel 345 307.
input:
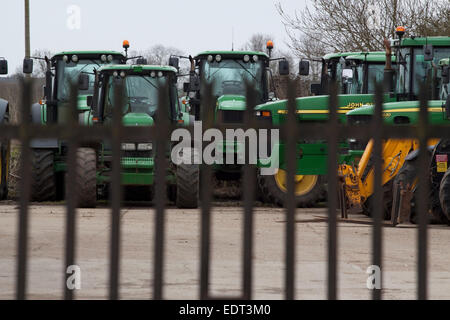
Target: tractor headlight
pixel 153 74
pixel 103 58
pixel 75 58
pixel 246 58
pixel 255 58
pixel 210 58
pixel 145 146
pixel 128 146
pixel 110 58
pixel 160 74
pixel 122 74
pixel 218 58
pixel 66 59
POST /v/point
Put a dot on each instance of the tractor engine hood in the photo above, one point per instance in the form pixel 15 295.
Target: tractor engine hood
pixel 231 102
pixel 137 119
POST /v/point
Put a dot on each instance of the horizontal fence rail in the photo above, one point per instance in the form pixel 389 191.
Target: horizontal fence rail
pixel 292 131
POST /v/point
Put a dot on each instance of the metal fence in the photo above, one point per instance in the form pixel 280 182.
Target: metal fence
pixel 291 131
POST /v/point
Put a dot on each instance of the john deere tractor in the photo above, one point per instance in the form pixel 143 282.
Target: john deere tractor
pixel 354 72
pixel 230 72
pixel 418 61
pixel 141 85
pixel 4 144
pixel 49 155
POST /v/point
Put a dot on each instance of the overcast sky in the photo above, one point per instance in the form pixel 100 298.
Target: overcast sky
pixel 192 26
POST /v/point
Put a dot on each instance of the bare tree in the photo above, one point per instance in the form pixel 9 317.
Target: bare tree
pixel 360 25
pixel 41 65
pixel 257 42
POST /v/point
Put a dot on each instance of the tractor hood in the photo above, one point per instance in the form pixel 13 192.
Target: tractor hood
pixel 316 107
pixel 137 119
pixel 231 102
pixel 401 106
pixel 404 112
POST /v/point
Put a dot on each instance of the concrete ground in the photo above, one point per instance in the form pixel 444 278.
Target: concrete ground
pixel 182 252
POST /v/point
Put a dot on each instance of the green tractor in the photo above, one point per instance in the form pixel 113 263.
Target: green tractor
pixel 354 72
pixel 141 85
pixel 229 72
pixel 4 145
pixel 49 161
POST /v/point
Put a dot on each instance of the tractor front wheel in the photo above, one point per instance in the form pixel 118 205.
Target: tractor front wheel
pixel 43 186
pixel 309 189
pixel 188 186
pixel 86 180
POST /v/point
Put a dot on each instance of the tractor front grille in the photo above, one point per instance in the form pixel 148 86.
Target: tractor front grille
pixel 232 116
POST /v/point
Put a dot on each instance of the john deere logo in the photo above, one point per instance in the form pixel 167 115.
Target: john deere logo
pixel 354 105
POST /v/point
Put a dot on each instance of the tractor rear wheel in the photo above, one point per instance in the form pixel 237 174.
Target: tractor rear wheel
pixel 188 187
pixel 43 186
pixel 309 189
pixel 86 180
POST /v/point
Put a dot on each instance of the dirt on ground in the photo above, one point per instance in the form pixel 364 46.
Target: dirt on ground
pixel 182 254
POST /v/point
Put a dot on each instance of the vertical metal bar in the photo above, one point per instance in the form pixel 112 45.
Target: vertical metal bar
pixel 206 195
pixel 71 193
pixel 25 187
pixel 422 192
pixel 332 192
pixel 377 208
pixel 162 133
pixel 249 179
pixel 116 196
pixel 291 134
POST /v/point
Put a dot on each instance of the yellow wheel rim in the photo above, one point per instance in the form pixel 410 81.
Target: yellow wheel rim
pixel 303 184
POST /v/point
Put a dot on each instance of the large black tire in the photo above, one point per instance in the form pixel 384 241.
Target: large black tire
pixel 188 187
pixel 407 178
pixel 387 202
pixel 444 194
pixel 43 185
pixel 272 192
pixel 86 180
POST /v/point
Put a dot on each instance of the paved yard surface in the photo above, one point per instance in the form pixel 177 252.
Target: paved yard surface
pixel 46 252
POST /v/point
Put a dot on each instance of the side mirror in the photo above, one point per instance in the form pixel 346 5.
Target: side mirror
pixel 347 73
pixel 446 74
pixel 141 61
pixel 174 62
pixel 3 67
pixel 283 67
pixel 303 68
pixel 316 89
pixel 27 66
pixel 428 52
pixel 186 86
pixel 89 100
pixel 83 82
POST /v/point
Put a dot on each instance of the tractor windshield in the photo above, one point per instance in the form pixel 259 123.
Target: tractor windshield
pixel 68 73
pixel 414 70
pixel 141 94
pixel 375 71
pixel 230 76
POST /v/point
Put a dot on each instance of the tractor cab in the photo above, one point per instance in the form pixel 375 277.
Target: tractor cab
pixel 229 72
pixel 419 60
pixel 140 98
pixel 65 69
